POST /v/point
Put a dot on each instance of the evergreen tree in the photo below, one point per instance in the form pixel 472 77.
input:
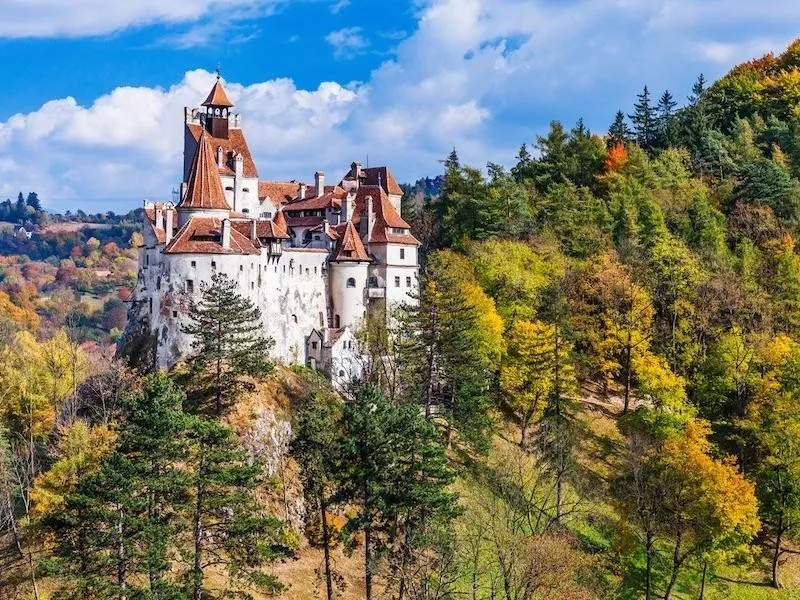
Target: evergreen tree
pixel 525 165
pixel 316 446
pixel 644 120
pixel 665 114
pixel 227 526
pixel 619 132
pixel 443 369
pixel 228 339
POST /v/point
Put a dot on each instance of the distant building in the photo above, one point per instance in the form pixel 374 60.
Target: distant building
pixel 23 234
pixel 317 259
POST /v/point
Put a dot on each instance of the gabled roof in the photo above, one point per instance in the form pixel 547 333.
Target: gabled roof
pixel 217 97
pixel 333 196
pixel 386 217
pixel 204 187
pixel 234 144
pixel 264 229
pixel 203 235
pixel 279 222
pixel 372 176
pixel 350 247
pixel 278 191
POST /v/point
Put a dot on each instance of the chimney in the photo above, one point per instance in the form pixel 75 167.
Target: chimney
pixel 303 188
pixel 254 231
pixel 169 224
pixel 319 181
pixel 356 168
pixel 219 156
pixel 325 232
pixel 159 217
pixel 370 218
pixel 226 233
pixel 345 209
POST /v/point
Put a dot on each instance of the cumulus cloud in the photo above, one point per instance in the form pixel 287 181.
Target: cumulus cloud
pixel 483 75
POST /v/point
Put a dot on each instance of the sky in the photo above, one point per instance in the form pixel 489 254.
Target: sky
pixel 91 112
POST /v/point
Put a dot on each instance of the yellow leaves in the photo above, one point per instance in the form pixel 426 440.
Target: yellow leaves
pixel 526 377
pixel 490 335
pixel 80 450
pixel 22 317
pixel 35 378
pixel 713 493
pixel 657 382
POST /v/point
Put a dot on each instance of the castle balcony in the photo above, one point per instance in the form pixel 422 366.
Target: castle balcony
pixel 376 292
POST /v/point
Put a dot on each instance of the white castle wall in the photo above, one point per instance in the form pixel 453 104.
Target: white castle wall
pixel 290 290
pixel 348 302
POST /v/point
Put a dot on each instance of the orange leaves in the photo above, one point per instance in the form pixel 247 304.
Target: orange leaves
pixel 617 158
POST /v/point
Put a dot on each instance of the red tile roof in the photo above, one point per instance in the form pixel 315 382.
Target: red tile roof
pixel 203 235
pixel 280 223
pixel 377 176
pixel 218 97
pixel 278 191
pixel 303 221
pixel 233 145
pixel 264 229
pixel 350 247
pixel 204 187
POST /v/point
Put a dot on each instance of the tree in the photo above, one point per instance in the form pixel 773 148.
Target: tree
pixel 228 339
pixel 227 527
pixel 443 368
pixel 395 471
pixel 619 133
pixel 665 115
pixel 644 120
pixel 316 446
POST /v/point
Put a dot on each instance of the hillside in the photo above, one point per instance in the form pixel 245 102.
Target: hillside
pixel 596 397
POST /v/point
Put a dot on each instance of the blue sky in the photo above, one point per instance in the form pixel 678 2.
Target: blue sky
pixel 91 113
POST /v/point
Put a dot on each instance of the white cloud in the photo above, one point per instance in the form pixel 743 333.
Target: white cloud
pixel 483 75
pixel 347 42
pixel 73 18
pixel 338 6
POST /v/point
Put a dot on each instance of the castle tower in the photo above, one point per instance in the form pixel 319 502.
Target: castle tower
pixel 204 195
pixel 348 280
pixel 218 107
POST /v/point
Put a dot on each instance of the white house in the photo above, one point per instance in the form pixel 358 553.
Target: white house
pixel 316 259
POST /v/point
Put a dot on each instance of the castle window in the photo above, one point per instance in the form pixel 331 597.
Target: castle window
pixel 158 283
pixel 190 285
pixel 396 282
pixel 251 265
pixel 146 259
pixel 351 282
pixel 341 373
pixel 321 319
pixel 336 322
pixel 252 285
pixel 151 306
pixel 246 190
pixel 175 313
pixel 315 270
pixel 266 215
pixel 194 264
pixel 241 267
pixel 402 253
pixel 213 264
pixel 408 281
pixel 294 318
pixel 373 282
pixel 313 345
pixel 228 188
pixel 245 210
pixel 308 271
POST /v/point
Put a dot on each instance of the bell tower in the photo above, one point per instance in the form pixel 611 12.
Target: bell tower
pixel 218 107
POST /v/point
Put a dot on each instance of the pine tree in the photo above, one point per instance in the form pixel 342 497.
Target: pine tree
pixel 644 120
pixel 443 369
pixel 227 527
pixel 229 341
pixel 666 119
pixel 316 446
pixel 619 132
pixel 525 164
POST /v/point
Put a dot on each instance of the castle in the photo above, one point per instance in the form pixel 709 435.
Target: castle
pixel 317 259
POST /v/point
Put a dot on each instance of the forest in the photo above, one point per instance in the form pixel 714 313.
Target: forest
pixel 597 395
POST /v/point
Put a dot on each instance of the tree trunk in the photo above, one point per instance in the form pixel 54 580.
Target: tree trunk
pixel 368 562
pixel 777 553
pixel 627 379
pixel 648 549
pixel 703 581
pixel 677 560
pixel 197 569
pixel 326 542
pixel 121 570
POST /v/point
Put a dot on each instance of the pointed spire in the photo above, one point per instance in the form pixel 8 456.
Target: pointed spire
pixel 204 188
pixel 217 98
pixel 279 222
pixel 350 246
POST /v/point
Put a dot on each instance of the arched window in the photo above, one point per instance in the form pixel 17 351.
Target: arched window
pixel 294 318
pixel 351 282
